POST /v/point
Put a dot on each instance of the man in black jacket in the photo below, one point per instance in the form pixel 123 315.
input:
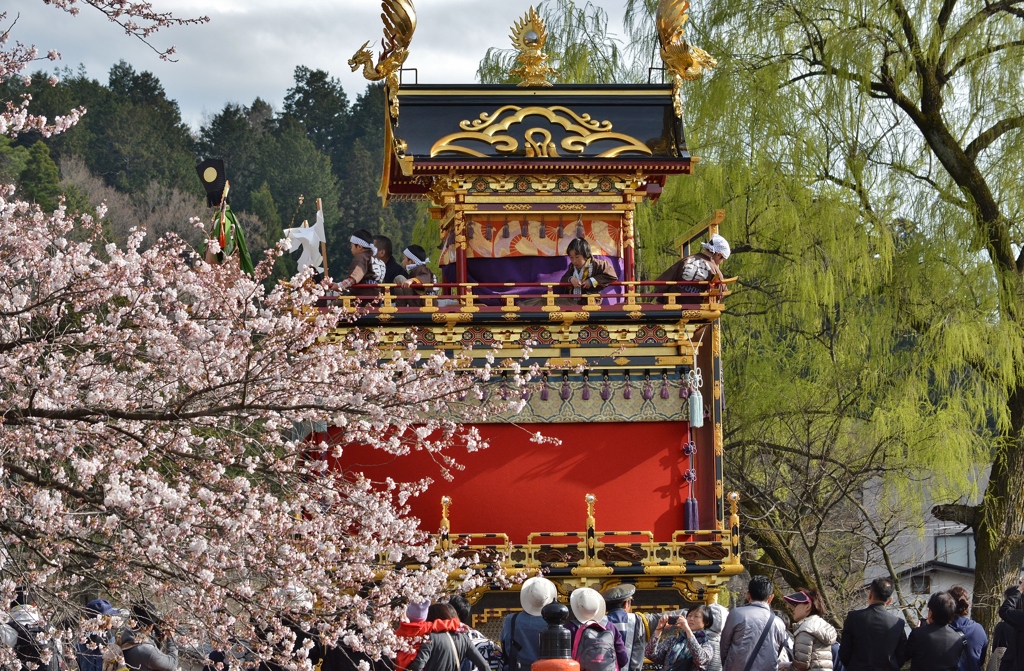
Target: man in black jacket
pixel 873 638
pixel 1012 612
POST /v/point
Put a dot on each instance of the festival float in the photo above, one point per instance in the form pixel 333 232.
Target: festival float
pixel 630 378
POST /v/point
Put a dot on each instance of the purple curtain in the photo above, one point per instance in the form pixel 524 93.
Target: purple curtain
pixel 523 269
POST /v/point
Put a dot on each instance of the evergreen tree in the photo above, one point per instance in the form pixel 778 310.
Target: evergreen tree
pixel 319 103
pixel 261 203
pixel 13 159
pixel 292 166
pixel 234 135
pixel 40 180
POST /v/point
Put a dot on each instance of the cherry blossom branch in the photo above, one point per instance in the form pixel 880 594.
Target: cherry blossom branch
pixel 138 19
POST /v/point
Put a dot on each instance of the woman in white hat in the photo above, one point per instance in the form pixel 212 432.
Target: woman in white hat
pixel 597 644
pixel 520 633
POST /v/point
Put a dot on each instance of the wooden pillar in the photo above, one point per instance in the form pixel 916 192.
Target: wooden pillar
pixel 716 411
pixel 628 244
pixel 461 244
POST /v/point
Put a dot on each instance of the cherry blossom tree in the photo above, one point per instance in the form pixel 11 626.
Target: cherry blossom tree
pixel 151 414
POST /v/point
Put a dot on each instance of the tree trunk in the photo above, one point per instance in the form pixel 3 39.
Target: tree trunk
pixel 998 523
pixel 999 537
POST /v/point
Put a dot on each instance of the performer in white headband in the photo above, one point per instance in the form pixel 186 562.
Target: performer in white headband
pixel 410 253
pixel 365 269
pixel 357 239
pixel 416 274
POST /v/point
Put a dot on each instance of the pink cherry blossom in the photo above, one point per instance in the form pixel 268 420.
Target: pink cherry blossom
pixel 154 414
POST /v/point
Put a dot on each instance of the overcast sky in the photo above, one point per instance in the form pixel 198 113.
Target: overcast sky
pixel 250 47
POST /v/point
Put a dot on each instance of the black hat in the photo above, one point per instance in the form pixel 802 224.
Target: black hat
pixel 797 598
pixel 619 593
pixel 211 174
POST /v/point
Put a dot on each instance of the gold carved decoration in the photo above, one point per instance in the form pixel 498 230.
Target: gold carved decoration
pixel 451 317
pixel 685 62
pixel 575 206
pixel 399 18
pixel 528 37
pixel 518 207
pixel 581 131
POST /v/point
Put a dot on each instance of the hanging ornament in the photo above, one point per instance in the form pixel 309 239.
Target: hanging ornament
pixel 527 394
pixel 487 231
pixel 606 389
pixel 585 394
pixel 691 513
pixel 469 232
pixel 544 390
pixel 579 227
pixel 561 229
pixel 566 389
pixel 696 399
pixel 648 392
pixel 665 393
pixel 627 390
pixel 524 228
pixel 504 231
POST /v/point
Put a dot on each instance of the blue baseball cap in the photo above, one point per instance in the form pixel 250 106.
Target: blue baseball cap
pixel 101 607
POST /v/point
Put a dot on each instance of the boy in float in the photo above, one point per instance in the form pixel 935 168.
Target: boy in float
pixel 585 274
pixel 365 267
pixel 417 273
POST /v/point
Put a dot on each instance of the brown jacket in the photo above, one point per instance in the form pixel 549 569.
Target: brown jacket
pixel 598 274
pixel 361 272
pixel 675 273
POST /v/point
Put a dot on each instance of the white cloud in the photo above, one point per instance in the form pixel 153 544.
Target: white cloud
pixel 251 47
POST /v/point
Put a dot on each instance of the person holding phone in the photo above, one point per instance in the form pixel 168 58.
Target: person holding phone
pixel 681 643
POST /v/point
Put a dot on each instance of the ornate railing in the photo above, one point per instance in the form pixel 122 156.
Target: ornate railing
pixel 593 553
pixel 537 298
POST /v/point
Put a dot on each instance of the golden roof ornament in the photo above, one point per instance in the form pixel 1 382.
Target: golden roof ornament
pixel 399 17
pixel 528 37
pixel 684 61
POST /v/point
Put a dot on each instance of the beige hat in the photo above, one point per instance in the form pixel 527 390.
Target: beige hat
pixel 587 605
pixel 536 593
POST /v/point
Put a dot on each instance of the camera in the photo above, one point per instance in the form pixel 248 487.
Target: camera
pixel 672 619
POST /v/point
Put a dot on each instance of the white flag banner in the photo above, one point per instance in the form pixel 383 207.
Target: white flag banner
pixel 308 240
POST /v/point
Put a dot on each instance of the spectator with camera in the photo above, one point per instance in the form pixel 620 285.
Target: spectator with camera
pixel 935 646
pixel 681 643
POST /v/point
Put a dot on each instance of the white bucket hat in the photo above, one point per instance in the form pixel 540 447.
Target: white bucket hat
pixel 536 593
pixel 587 605
pixel 717 245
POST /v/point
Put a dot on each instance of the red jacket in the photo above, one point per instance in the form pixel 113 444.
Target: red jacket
pixel 418 630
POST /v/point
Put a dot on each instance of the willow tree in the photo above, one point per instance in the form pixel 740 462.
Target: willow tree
pixel 831 354
pixel 937 140
pixel 828 364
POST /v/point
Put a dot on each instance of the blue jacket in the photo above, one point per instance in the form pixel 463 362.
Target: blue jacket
pixel 977 642
pixel 528 628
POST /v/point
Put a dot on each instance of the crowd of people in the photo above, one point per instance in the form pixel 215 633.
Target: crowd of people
pixel 131 640
pixel 606 635
pixel 373 263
